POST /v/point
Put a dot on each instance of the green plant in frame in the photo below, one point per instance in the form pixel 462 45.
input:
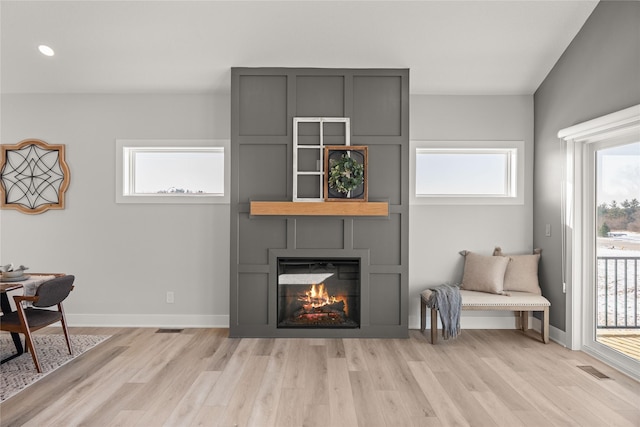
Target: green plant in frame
pixel 345 174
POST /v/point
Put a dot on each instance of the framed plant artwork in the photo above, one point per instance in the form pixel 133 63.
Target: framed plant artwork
pixel 345 173
pixel 33 176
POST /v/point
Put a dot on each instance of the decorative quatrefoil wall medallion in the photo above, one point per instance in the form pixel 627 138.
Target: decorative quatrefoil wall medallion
pixel 33 176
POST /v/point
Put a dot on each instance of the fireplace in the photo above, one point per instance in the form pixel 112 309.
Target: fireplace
pixel 263 104
pixel 318 292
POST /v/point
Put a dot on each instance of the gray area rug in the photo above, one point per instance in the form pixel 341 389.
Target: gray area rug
pixel 20 372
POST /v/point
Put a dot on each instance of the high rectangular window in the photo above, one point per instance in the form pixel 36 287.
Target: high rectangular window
pixel 467 172
pixel 470 172
pixel 189 170
pixel 171 172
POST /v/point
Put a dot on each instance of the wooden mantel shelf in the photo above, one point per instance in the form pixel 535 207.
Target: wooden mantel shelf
pixel 320 208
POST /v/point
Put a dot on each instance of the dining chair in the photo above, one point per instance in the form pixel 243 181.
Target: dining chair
pixel 26 320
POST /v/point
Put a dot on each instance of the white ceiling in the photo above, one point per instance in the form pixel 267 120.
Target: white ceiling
pixel 451 47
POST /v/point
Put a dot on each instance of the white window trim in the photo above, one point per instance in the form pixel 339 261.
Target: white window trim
pixel 170 198
pixel 518 173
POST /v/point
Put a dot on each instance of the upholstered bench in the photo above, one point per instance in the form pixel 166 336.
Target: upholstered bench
pixel 522 302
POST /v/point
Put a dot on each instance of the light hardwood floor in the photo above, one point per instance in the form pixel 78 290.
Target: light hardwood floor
pixel 201 377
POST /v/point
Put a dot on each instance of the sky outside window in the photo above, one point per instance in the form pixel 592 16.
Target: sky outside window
pixel 619 173
pixel 196 171
pixel 460 173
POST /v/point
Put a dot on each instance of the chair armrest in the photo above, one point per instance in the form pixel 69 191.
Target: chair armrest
pixel 20 298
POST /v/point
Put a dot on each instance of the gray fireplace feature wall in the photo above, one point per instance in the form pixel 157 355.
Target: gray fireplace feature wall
pixel 264 102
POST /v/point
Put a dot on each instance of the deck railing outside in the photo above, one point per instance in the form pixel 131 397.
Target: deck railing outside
pixel 618 293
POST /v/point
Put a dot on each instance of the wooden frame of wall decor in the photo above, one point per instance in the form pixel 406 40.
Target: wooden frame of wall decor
pixel 34 176
pixel 333 155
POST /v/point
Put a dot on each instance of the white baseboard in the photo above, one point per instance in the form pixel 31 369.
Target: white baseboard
pixel 222 321
pixel 149 320
pixel 557 336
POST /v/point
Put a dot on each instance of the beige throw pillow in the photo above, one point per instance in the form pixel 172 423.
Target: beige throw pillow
pixel 522 272
pixel 484 273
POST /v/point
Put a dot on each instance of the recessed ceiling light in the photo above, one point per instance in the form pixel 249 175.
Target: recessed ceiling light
pixel 46 50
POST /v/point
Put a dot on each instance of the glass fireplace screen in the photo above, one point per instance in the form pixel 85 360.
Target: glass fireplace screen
pixel 318 293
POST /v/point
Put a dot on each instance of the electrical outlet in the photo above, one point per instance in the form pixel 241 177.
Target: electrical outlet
pixel 564 288
pixel 547 230
pixel 170 297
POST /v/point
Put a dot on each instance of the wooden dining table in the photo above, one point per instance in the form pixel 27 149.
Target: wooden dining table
pixel 29 286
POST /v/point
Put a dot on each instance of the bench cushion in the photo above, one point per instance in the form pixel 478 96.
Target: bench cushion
pixel 492 301
pixel 520 299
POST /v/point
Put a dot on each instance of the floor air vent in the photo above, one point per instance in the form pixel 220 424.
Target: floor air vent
pixel 593 371
pixel 169 331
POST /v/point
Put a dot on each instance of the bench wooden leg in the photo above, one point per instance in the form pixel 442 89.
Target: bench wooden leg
pixel 545 325
pixel 434 320
pixel 525 320
pixel 434 325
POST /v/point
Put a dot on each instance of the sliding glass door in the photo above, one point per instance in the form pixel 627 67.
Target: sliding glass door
pixel 615 285
pixel 600 237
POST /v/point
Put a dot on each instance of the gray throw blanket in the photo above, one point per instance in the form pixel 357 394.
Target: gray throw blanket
pixel 446 299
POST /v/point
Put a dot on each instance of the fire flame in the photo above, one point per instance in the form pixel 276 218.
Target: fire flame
pixel 317 296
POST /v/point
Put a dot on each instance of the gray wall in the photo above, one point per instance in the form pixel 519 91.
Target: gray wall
pixel 438 233
pixel 599 73
pixel 264 102
pixel 125 257
pixel 93 234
